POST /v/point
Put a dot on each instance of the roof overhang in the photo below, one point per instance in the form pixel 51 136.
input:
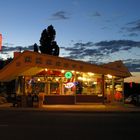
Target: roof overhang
pixel 30 63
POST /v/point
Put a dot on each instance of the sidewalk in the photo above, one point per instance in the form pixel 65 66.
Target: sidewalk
pixel 93 107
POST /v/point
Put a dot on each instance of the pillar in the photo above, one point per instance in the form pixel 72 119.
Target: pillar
pixel 103 88
pixel 112 92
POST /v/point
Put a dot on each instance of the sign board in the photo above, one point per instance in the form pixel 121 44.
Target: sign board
pixel 68 74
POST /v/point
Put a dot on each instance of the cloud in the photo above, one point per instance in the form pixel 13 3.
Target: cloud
pixel 81 45
pixel 132 64
pixel 133 34
pixel 117 45
pixel 6 49
pixel 60 15
pixel 96 14
pixel 100 49
pixel 99 52
pixel 133 28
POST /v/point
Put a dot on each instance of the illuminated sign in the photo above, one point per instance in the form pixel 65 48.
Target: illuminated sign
pixel 68 75
pixel 69 85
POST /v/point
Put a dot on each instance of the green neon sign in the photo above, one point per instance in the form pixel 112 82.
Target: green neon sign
pixel 68 75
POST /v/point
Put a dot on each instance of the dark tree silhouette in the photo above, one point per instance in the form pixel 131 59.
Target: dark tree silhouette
pixel 35 47
pixel 55 49
pixel 47 43
pixel 3 63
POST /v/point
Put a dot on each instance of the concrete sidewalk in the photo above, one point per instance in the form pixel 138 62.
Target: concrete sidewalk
pixel 93 107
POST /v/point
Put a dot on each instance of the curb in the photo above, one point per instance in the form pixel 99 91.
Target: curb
pixel 76 108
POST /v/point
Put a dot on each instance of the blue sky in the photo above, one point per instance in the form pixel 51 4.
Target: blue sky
pixel 97 31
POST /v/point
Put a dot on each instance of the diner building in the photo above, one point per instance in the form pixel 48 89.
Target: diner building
pixel 64 81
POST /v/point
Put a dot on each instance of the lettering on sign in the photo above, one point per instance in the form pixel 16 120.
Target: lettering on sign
pixel 18 64
pixel 81 67
pixel 73 66
pixel 66 65
pixel 48 62
pixel 38 60
pixel 58 63
pixel 27 59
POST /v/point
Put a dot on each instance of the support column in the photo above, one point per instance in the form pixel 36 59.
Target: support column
pixel 122 84
pixel 103 88
pixel 75 77
pixel 112 93
pixel 48 87
pixel 23 85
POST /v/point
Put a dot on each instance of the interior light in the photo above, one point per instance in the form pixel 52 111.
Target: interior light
pixel 88 79
pixel 84 79
pixel 95 83
pixel 109 76
pixel 46 69
pixel 72 71
pixel 80 78
pixel 90 73
pixel 56 79
pixel 62 71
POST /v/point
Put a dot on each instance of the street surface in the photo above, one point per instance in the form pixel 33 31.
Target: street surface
pixel 55 125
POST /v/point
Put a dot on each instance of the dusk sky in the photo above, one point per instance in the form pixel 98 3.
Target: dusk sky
pixel 97 31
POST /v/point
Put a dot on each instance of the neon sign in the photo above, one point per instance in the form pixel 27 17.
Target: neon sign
pixel 68 75
pixel 69 85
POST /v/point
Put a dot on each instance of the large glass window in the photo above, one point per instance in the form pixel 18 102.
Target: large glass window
pixel 89 84
pixel 56 83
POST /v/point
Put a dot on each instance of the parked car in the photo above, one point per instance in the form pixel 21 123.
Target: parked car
pixel 133 99
pixel 128 100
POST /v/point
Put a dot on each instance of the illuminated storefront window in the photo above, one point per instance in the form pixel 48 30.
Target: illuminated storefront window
pixel 113 88
pixel 64 83
pixel 90 84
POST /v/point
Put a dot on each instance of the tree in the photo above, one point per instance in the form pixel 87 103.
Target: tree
pixel 3 63
pixel 47 43
pixel 55 49
pixel 35 47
